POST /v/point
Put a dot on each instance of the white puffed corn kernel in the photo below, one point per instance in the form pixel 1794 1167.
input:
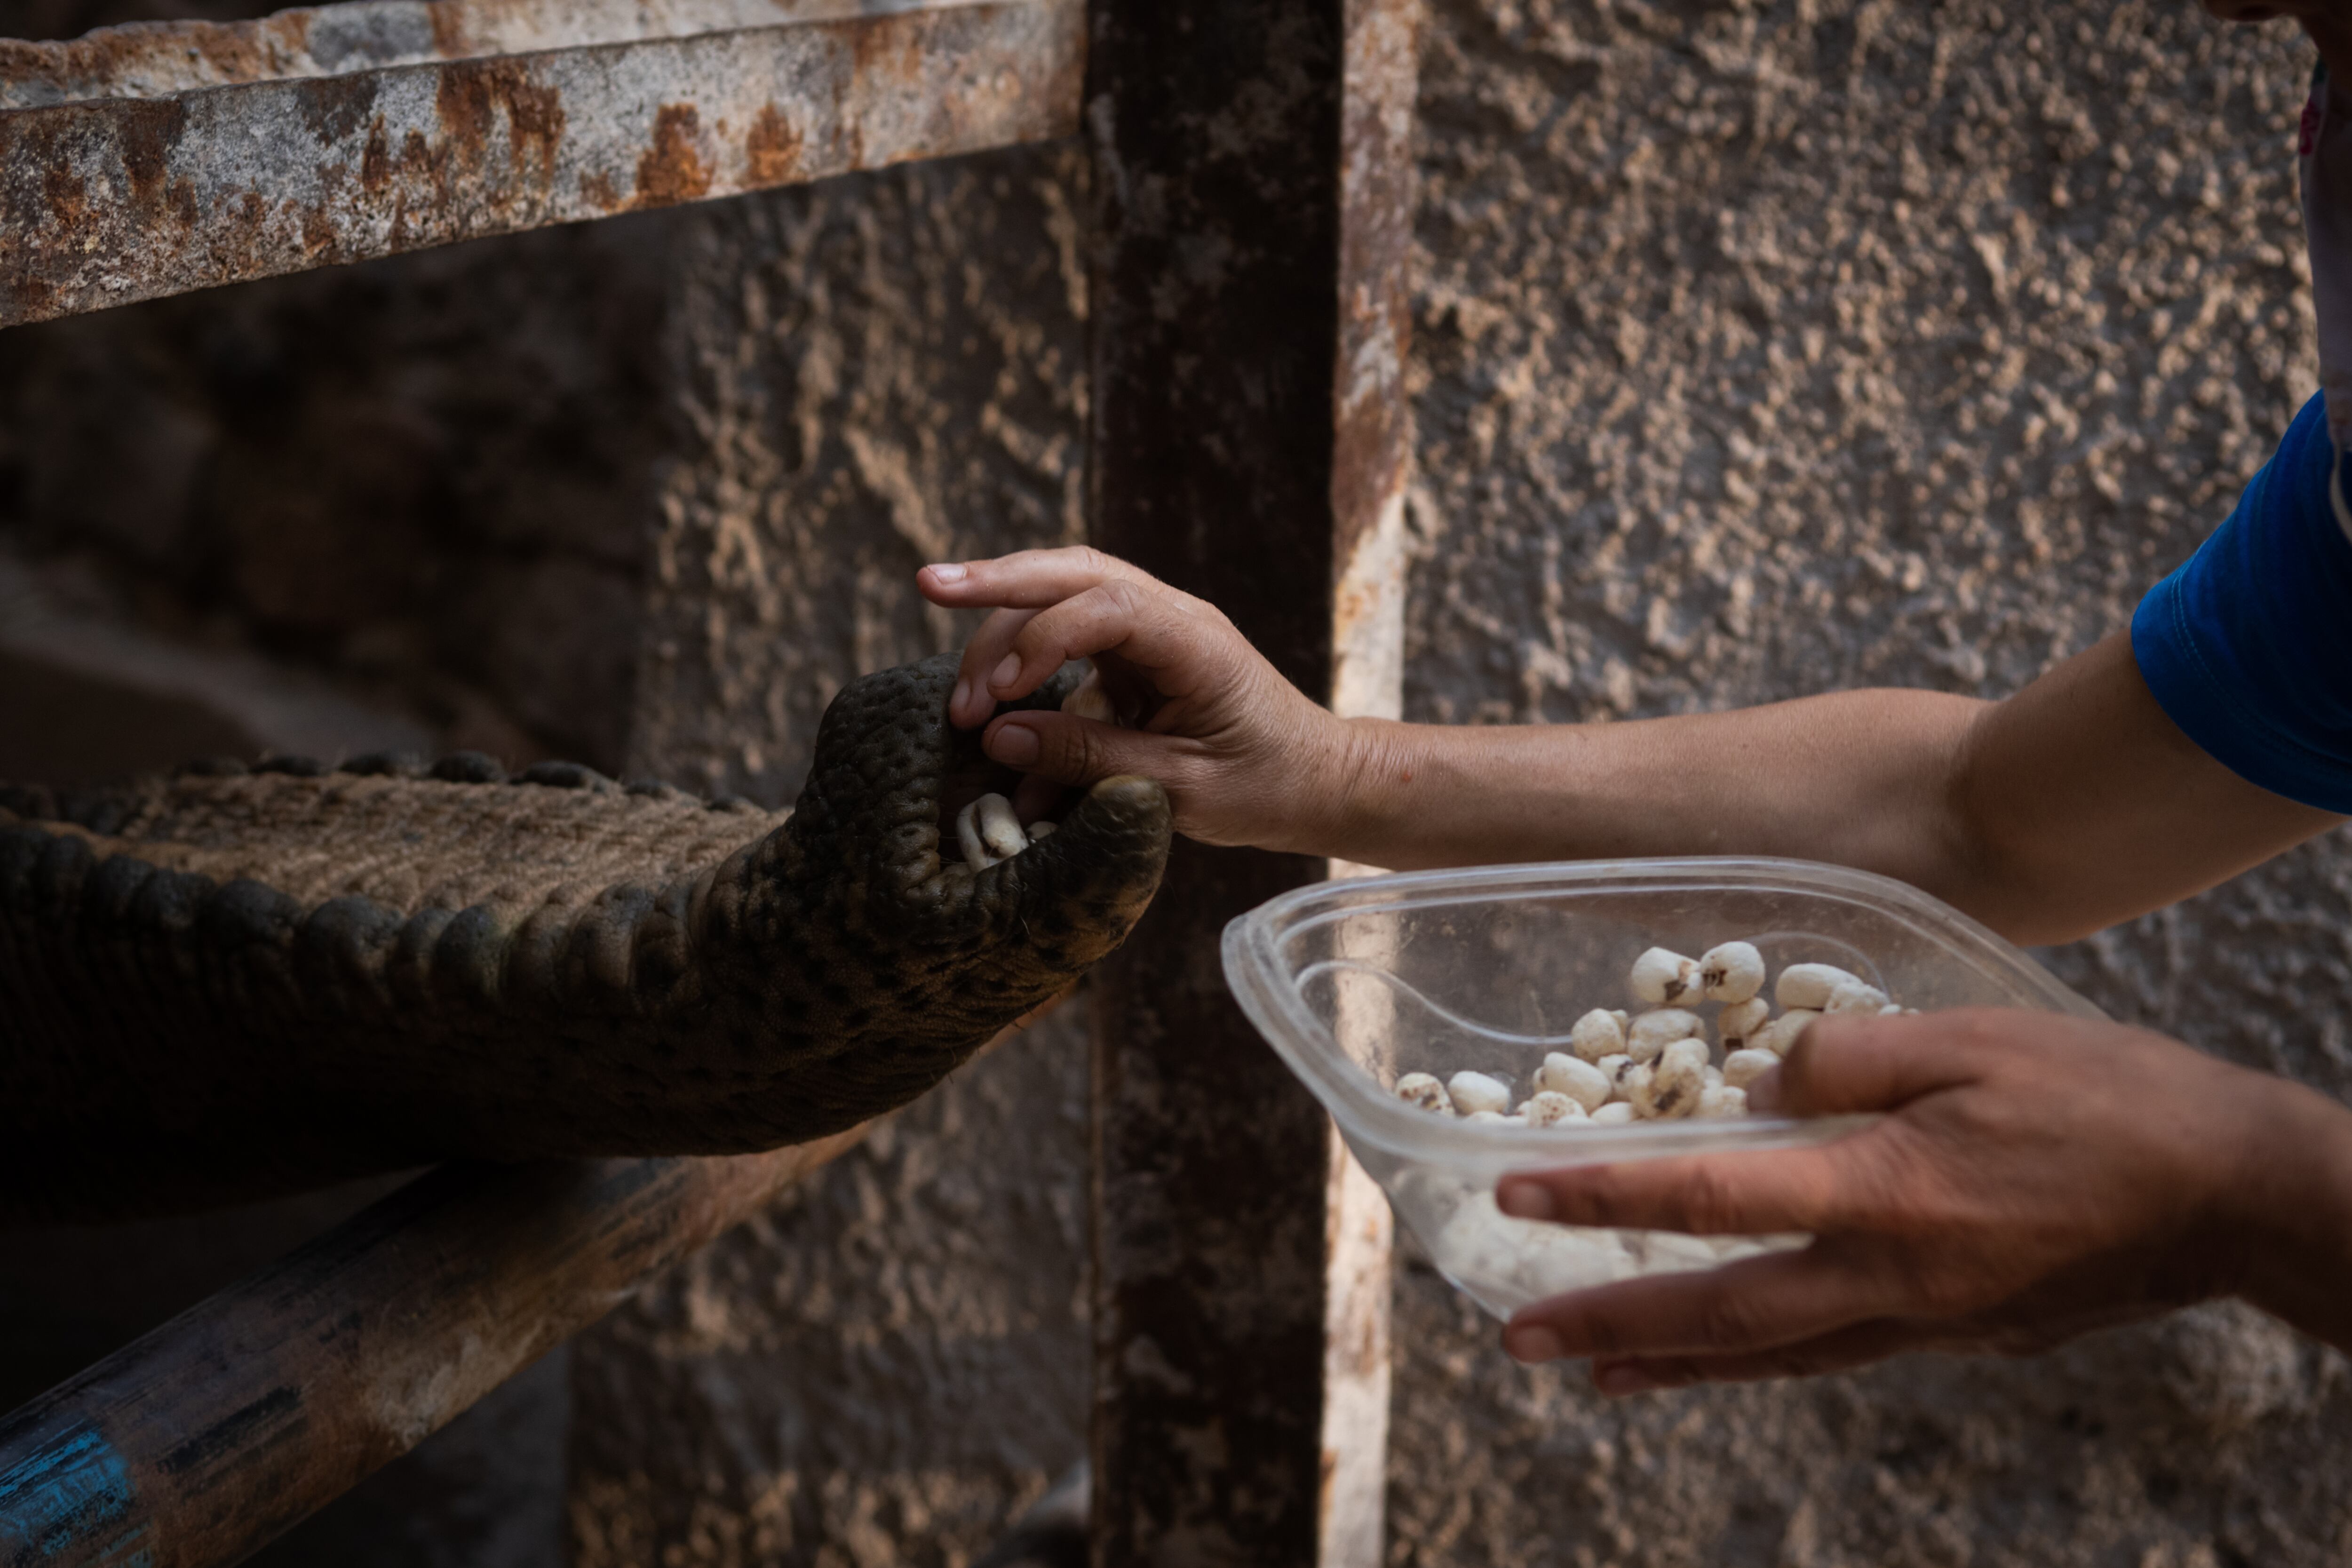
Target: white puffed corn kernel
pixel 1474 1091
pixel 1809 984
pixel 1676 1083
pixel 1423 1089
pixel 1738 1022
pixel 976 853
pixel 1714 1077
pixel 1686 1055
pixel 1856 996
pixel 1580 1080
pixel 1732 972
pixel 1894 1010
pixel 1551 1107
pixel 1717 1104
pixel 1616 1113
pixel 1599 1033
pixel 1743 1068
pixel 999 828
pixel 1041 829
pixel 1655 1030
pixel 1633 1086
pixel 1614 1068
pixel 1087 699
pixel 1486 1116
pixel 1660 976
pixel 1781 1036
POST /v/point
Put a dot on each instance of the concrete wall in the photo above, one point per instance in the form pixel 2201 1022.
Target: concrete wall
pixel 1765 349
pixel 1762 348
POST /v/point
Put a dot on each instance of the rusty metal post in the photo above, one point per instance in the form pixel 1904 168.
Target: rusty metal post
pixel 200 1442
pixel 1249 441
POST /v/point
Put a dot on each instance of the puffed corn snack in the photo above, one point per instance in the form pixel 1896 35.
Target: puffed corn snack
pixel 1654 1065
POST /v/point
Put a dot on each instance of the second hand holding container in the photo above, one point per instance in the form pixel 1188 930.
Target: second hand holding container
pixel 1358 982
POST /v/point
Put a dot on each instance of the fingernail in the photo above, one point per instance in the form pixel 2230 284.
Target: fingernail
pixel 1524 1199
pixel 1532 1343
pixel 1016 746
pixel 1620 1378
pixel 1007 668
pixel 947 571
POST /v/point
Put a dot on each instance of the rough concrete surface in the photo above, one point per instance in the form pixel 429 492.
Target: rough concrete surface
pixel 1768 349
pixel 426 479
pixel 869 374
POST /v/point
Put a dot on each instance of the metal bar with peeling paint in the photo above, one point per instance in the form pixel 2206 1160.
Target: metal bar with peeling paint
pixel 1248 441
pixel 109 200
pixel 201 1442
pixel 157 59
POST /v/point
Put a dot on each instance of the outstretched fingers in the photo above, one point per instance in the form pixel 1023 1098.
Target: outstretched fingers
pixel 1743 1309
pixel 1843 1066
pixel 1056 606
pixel 1741 1193
pixel 1027 579
pixel 1840 1350
pixel 1064 749
pixel 972 702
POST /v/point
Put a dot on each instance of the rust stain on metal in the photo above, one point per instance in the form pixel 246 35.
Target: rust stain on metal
pixel 672 170
pixel 68 195
pixel 375 158
pixel 146 60
pixel 473 94
pixel 148 131
pixel 887 53
pixel 773 150
pixel 1373 417
pixel 596 188
pixel 186 190
pixel 450 40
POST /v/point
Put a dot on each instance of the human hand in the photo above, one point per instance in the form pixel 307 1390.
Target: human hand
pixel 1245 757
pixel 2035 1176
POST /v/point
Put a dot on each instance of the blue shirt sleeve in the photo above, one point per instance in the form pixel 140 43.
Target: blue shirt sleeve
pixel 2248 646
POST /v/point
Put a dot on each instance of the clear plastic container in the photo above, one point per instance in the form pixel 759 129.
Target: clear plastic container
pixel 1357 981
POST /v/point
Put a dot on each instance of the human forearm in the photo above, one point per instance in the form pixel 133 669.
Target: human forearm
pixel 1856 777
pixel 2067 807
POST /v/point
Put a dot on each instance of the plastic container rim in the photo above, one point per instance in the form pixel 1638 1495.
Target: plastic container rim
pixel 1255 970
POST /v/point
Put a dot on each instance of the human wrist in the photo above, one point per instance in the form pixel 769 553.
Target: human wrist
pixel 1367 766
pixel 2287 1203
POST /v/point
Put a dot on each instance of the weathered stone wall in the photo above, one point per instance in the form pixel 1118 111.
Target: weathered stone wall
pixel 424 480
pixel 1768 349
pixel 868 374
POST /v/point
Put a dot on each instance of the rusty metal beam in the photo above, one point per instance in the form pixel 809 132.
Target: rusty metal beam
pixel 157 59
pixel 106 200
pixel 197 1444
pixel 1252 177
